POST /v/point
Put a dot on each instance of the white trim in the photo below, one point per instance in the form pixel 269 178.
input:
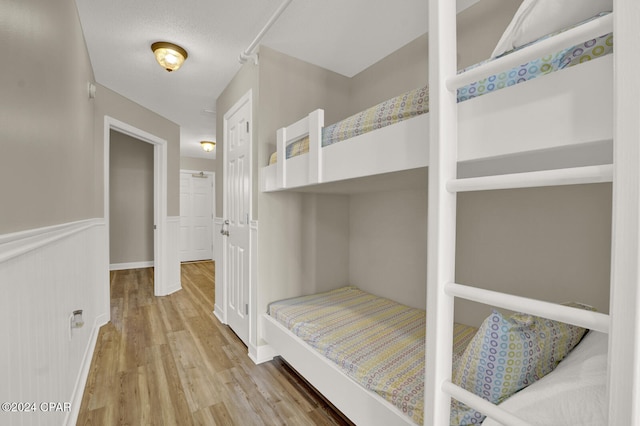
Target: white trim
pixel 624 338
pixel 581 317
pixel 576 35
pixel 130 265
pixel 262 353
pixel 159 192
pixel 219 308
pixel 173 280
pixel 81 380
pixel 572 176
pixel 441 220
pixel 22 242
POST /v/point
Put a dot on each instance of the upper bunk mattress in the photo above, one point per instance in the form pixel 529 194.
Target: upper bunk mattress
pixel 377 342
pixel 416 102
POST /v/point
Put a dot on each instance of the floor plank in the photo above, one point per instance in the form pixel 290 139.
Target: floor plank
pixel 169 361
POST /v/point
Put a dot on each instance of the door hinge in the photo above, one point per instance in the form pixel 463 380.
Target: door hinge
pixel 246 309
pixel 247 127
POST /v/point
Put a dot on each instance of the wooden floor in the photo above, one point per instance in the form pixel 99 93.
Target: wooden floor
pixel 169 361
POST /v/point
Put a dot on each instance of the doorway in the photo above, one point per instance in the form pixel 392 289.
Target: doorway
pixel 197 207
pixel 159 193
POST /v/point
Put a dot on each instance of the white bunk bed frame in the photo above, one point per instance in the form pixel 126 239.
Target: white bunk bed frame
pixel 444 185
pixel 623 325
pixel 579 113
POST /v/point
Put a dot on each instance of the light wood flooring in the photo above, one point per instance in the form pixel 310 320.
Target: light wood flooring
pixel 169 361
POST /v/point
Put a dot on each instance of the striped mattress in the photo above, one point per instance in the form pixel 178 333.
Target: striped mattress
pixel 377 342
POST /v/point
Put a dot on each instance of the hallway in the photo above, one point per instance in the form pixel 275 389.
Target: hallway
pixel 168 360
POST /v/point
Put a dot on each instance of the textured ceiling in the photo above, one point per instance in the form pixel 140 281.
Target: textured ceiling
pixel 345 36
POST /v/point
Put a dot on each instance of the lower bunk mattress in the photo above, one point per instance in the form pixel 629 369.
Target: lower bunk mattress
pixel 377 342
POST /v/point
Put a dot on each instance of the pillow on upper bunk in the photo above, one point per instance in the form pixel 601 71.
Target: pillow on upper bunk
pixel 508 354
pixel 537 18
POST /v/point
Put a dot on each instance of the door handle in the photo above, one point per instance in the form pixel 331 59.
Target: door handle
pixel 225 228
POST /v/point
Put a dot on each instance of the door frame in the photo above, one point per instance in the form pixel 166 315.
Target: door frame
pixel 246 98
pixel 159 194
pixel 213 206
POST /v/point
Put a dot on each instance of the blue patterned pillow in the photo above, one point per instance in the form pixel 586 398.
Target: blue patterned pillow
pixel 507 355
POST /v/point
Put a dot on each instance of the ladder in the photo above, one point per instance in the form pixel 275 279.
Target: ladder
pixel 623 325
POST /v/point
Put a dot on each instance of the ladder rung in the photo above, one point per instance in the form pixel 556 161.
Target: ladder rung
pixel 571 176
pixel 482 405
pixel 579 34
pixel 580 317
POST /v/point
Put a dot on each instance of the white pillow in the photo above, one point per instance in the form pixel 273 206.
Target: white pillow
pixel 537 18
pixel 572 394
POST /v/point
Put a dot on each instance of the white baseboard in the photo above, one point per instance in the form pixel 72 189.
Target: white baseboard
pixel 262 353
pixel 131 265
pixel 83 375
pixel 219 313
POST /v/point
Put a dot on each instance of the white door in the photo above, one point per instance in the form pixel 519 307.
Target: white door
pixel 237 209
pixel 196 216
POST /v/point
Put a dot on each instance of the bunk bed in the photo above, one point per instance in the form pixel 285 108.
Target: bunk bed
pixel 390 136
pixel 569 113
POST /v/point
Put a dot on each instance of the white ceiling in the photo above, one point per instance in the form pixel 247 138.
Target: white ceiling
pixel 345 36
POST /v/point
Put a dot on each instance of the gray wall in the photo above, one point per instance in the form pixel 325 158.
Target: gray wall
pixel 114 105
pixel 550 243
pixel 388 244
pixel 51 133
pixel 131 200
pixel 479 29
pixel 198 164
pixel 47 148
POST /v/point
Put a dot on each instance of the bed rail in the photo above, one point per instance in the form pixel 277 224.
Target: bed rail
pixel 592 29
pixel 572 176
pixel 580 317
pixel 308 126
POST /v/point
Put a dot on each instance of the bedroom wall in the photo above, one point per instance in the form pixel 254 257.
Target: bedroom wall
pixel 131 200
pixel 479 29
pixel 388 229
pixel 388 244
pixel 289 89
pixel 325 237
pixel 549 243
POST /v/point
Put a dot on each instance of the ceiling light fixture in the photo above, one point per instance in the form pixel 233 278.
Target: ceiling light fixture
pixel 208 145
pixel 170 56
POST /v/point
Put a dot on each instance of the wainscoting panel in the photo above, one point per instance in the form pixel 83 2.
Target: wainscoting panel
pixel 46 274
pixel 172 255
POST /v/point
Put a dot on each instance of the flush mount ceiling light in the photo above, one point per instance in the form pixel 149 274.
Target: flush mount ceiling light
pixel 170 56
pixel 208 145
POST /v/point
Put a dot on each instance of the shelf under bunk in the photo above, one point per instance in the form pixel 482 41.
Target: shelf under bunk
pixel 519 128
